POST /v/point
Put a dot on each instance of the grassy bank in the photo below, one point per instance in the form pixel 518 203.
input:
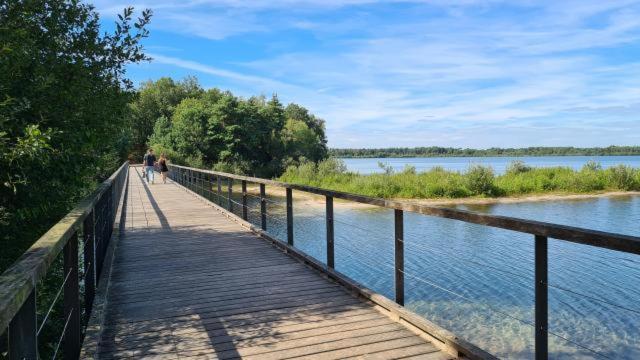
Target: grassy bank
pixel 476 181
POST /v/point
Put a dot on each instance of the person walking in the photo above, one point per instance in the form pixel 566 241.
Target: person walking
pixel 144 161
pixel 164 170
pixel 149 163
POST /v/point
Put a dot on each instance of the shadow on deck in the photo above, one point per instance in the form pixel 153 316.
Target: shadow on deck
pixel 188 282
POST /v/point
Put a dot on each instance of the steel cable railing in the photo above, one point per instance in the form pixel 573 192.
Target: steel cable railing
pixel 375 269
pixel 452 254
pixel 404 241
pixel 485 266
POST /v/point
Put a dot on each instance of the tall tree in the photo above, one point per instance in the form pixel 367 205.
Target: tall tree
pixel 254 136
pixel 156 99
pixel 63 109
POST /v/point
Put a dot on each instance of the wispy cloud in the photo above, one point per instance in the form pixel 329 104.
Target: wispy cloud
pixel 211 70
pixel 467 72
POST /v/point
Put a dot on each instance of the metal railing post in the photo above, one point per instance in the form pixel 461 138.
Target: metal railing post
pixel 89 263
pixel 330 246
pixel 244 199
pixel 71 297
pixel 399 256
pixel 289 217
pixel 230 193
pixel 23 331
pixel 263 207
pixel 542 299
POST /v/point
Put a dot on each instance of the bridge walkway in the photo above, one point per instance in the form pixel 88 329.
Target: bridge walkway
pixel 187 282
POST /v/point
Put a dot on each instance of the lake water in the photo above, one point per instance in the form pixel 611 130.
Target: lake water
pixel 499 164
pixel 478 282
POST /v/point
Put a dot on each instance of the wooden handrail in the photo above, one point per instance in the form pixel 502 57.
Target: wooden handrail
pixel 607 240
pixel 19 280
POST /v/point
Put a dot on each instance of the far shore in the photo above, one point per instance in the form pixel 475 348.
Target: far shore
pixel 318 200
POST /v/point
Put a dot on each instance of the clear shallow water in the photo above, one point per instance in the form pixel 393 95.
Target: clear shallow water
pixel 477 281
pixel 499 164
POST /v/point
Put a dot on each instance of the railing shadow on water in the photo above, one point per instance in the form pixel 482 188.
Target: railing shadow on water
pixel 401 261
pixel 47 295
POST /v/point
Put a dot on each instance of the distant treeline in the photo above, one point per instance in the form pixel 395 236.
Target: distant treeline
pixel 436 151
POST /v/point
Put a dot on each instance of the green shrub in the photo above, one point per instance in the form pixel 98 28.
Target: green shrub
pixel 331 166
pixel 517 167
pixel 623 177
pixel 305 172
pixel 388 169
pixel 480 179
pixel 592 165
pixel 409 170
pixel 587 179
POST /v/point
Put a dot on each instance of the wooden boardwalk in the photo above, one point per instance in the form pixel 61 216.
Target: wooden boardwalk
pixel 187 282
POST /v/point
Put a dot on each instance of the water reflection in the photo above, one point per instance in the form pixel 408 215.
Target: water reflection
pixel 477 281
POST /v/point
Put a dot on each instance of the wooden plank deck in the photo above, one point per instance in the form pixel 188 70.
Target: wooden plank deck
pixel 187 282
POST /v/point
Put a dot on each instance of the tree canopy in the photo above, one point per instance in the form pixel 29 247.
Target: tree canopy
pixel 63 109
pixel 217 129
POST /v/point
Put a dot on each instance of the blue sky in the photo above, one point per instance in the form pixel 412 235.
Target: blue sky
pixel 463 73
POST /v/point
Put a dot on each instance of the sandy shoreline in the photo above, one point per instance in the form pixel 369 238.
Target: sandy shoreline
pixel 520 199
pixel 313 199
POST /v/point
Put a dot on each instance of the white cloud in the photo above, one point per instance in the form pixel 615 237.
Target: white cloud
pixel 454 67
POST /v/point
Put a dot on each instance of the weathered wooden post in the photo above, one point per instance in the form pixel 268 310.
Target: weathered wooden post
pixel 330 246
pixel 399 256
pixel 542 299
pixel 244 199
pixel 289 217
pixel 89 262
pixel 230 193
pixel 71 300
pixel 263 207
pixel 219 181
pixel 23 331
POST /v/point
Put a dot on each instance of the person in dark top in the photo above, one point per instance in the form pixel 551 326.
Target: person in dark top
pixel 164 170
pixel 149 163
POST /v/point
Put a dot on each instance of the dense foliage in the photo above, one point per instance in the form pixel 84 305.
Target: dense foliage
pixel 435 151
pixel 215 129
pixel 63 110
pixel 478 180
